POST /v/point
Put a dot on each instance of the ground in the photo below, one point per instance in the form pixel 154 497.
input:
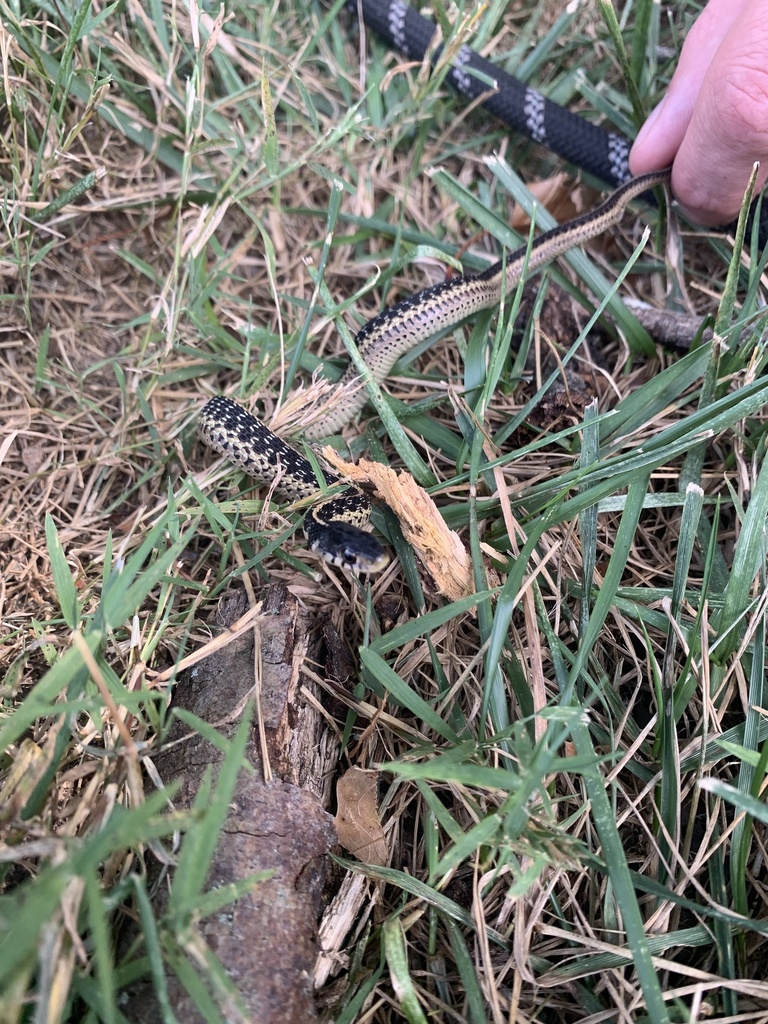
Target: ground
pixel 568 762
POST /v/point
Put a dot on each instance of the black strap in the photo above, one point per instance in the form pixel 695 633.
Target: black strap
pixel 601 153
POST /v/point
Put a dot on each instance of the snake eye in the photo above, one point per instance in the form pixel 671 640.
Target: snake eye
pixel 349 556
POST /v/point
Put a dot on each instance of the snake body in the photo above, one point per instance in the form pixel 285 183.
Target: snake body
pixel 397 329
pixel 335 525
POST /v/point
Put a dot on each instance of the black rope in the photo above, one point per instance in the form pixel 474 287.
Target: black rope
pixel 595 150
pixel 603 154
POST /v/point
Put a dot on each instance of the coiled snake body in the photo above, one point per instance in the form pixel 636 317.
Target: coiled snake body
pixel 335 525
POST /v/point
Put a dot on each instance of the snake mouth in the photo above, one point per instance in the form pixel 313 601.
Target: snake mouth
pixel 378 564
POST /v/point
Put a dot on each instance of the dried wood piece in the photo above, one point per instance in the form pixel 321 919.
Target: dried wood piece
pixel 267 939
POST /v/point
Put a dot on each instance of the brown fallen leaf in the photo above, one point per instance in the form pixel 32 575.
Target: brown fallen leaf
pixel 33 456
pixel 25 773
pixel 357 819
pixel 557 195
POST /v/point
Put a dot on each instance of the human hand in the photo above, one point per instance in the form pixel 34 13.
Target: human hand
pixel 712 125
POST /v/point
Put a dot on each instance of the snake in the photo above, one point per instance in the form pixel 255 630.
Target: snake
pixel 336 523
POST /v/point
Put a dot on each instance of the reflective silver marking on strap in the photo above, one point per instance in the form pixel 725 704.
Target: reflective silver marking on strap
pixel 461 79
pixel 396 21
pixel 618 157
pixel 533 107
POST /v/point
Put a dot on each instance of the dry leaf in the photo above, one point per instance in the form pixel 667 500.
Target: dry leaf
pixel 357 818
pixel 556 195
pixel 25 773
pixel 33 456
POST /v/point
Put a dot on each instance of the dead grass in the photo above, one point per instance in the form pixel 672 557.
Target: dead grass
pixel 543 758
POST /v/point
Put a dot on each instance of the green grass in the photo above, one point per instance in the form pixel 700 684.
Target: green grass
pixel 572 760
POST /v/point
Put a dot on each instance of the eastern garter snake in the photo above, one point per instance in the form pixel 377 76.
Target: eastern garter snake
pixel 334 524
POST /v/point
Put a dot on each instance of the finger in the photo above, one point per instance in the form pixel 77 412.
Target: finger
pixel 727 123
pixel 660 137
pixel 729 126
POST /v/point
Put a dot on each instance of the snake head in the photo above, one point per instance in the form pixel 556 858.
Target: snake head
pixel 347 546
